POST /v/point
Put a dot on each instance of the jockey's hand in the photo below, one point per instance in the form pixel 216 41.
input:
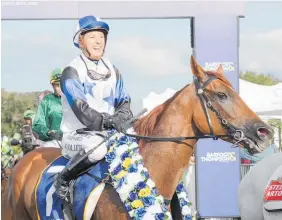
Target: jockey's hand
pixel 113 121
pixel 54 135
pixel 117 123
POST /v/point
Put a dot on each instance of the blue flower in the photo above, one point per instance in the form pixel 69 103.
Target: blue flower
pixel 134 150
pixel 159 216
pixel 123 139
pixel 124 155
pixel 180 188
pixel 140 212
pixel 110 156
pixel 128 207
pixel 154 191
pixel 187 217
pixel 110 143
pixel 120 183
pixel 110 132
pixel 183 202
pixel 133 196
pixel 145 174
pixel 117 169
pixel 132 169
pixel 140 185
pixel 149 200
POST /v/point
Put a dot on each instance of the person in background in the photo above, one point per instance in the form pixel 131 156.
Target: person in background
pixel 49 114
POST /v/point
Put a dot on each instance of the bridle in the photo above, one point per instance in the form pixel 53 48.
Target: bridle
pixel 237 135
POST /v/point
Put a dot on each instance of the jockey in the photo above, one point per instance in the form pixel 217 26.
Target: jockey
pixel 94 98
pixel 49 114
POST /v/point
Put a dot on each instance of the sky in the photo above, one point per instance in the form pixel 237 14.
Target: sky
pixel 150 57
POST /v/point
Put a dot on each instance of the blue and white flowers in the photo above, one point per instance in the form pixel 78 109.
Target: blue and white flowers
pixel 134 186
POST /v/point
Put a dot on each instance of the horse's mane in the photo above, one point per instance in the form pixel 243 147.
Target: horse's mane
pixel 146 125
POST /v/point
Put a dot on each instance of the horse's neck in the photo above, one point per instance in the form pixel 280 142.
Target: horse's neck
pixel 167 161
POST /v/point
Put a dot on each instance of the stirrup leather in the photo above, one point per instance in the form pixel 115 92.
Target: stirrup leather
pixel 61 187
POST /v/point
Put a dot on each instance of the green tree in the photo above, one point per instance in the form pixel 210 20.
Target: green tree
pixel 13 106
pixel 261 79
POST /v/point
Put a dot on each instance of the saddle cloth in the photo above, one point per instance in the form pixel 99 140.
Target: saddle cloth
pixel 273 191
pixel 87 191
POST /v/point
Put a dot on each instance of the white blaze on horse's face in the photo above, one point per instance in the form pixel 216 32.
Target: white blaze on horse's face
pixel 93 43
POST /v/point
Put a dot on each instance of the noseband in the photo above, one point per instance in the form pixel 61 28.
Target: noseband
pixel 237 135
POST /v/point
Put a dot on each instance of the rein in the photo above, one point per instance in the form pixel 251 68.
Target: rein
pixel 237 135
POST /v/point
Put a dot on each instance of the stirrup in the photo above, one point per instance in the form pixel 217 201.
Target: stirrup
pixel 61 188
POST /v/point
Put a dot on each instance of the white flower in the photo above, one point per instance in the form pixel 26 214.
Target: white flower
pixel 121 149
pixel 140 167
pixel 133 179
pixel 137 158
pixel 145 169
pixel 168 214
pixel 160 199
pixel 149 216
pixel 130 131
pixel 114 164
pixel 133 146
pixel 186 210
pixel 182 195
pixel 150 183
pixel 131 213
pixel 123 192
pixel 156 208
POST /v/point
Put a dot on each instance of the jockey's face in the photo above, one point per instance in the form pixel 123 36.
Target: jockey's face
pixel 28 121
pixel 57 88
pixel 93 43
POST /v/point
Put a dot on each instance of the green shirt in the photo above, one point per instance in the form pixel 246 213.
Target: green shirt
pixel 48 116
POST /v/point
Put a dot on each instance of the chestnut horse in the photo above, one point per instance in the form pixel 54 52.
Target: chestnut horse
pixel 209 105
pixel 5 172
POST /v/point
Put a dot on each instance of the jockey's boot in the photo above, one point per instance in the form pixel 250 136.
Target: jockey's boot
pixel 63 179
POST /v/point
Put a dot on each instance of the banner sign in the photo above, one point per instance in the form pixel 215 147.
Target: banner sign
pixel 217 163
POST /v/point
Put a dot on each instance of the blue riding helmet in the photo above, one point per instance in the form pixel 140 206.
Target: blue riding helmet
pixel 88 23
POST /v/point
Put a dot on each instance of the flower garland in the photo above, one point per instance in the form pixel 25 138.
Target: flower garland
pixel 133 184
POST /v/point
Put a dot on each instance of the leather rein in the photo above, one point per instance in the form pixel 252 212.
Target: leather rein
pixel 237 135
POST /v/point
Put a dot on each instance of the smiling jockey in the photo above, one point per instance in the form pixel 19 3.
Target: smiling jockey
pixel 93 98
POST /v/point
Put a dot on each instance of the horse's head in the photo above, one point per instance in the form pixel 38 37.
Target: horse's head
pixel 226 111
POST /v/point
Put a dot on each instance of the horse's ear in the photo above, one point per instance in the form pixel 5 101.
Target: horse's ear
pixel 197 70
pixel 220 69
pixel 220 75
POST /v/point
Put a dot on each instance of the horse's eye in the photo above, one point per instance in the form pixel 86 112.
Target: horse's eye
pixel 222 96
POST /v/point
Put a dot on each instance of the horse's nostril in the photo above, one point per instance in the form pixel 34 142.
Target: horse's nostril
pixel 263 132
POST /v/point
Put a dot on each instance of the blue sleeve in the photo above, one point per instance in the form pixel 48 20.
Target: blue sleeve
pixel 73 89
